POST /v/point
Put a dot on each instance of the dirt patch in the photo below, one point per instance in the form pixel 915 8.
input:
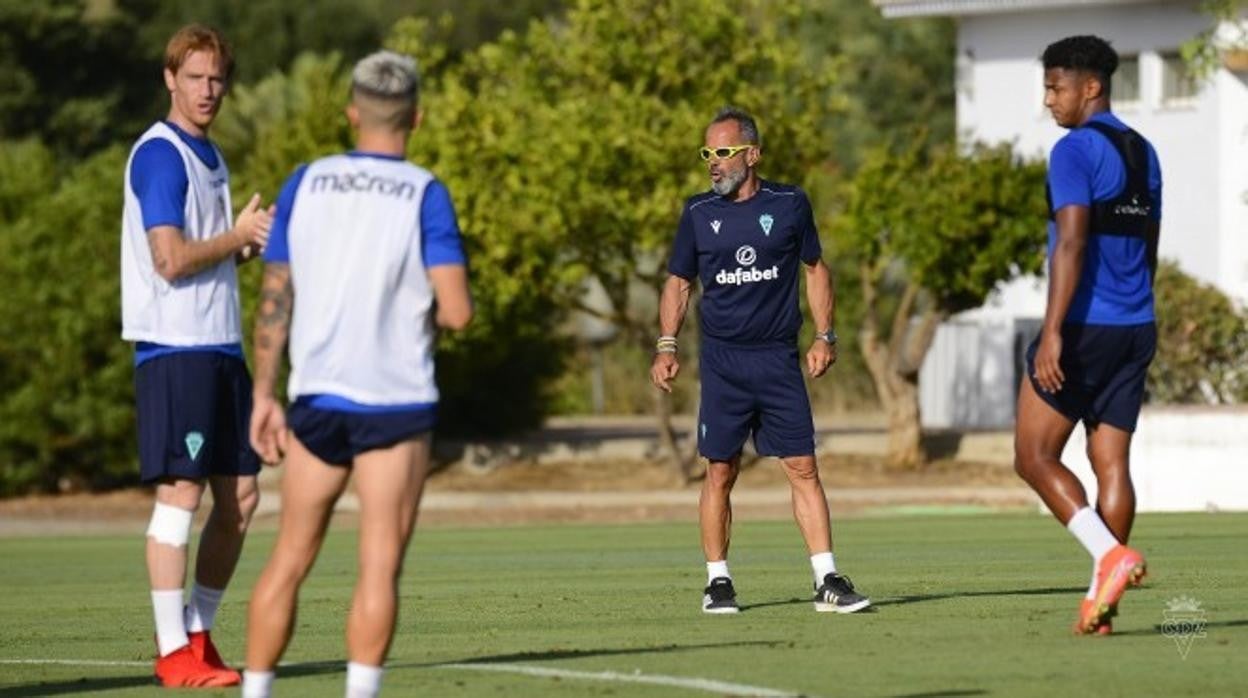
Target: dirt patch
pixel 837 471
pixel 84 507
pixel 647 486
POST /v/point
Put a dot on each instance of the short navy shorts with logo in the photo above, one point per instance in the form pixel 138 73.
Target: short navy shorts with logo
pixel 1105 368
pixel 755 390
pixel 193 412
pixel 338 436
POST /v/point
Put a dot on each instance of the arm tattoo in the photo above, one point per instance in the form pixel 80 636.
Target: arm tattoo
pixel 275 306
pixel 272 322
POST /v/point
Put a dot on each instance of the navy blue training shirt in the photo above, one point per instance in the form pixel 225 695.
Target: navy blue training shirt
pixel 746 255
pixel 1116 286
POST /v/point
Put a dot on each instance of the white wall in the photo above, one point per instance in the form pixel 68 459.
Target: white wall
pixel 1182 459
pixel 978 365
pixel 1232 91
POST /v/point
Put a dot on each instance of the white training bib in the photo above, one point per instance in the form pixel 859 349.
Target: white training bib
pixel 201 309
pixel 362 327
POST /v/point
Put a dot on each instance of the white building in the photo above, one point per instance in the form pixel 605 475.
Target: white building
pixel 1200 131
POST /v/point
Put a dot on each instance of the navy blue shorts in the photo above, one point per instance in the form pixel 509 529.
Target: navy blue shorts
pixel 1106 367
pixel 194 409
pixel 337 437
pixel 756 390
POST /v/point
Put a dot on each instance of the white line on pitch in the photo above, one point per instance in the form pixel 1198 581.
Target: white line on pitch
pixel 708 685
pixel 697 684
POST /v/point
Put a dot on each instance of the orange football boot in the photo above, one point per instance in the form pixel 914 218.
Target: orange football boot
pixel 182 669
pixel 1085 608
pixel 201 645
pixel 1121 567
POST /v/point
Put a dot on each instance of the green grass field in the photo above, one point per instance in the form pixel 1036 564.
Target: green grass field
pixel 965 606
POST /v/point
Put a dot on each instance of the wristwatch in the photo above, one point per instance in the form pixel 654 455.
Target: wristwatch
pixel 829 336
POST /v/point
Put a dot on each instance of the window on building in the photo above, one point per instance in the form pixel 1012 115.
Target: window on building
pixel 1177 83
pixel 1126 81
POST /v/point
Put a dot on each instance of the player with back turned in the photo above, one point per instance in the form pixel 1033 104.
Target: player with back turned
pixel 364 264
pixel 1090 361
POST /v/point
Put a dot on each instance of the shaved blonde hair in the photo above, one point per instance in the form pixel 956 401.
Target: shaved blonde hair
pixel 385 88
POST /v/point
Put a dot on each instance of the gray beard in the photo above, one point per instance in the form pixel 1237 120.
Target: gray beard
pixel 729 183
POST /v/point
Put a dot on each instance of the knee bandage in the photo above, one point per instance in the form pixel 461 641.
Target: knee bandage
pixel 170 525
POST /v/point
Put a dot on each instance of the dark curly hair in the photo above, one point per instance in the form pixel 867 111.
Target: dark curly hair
pixel 1090 54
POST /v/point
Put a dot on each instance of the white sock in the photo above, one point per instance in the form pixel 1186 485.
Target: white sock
pixel 719 568
pixel 170 626
pixel 1092 533
pixel 823 564
pixel 201 610
pixel 257 684
pixel 1092 585
pixel 363 681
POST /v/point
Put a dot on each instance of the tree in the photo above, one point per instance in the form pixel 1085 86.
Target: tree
pixel 573 144
pixel 512 352
pixel 898 74
pixel 269 127
pixel 58 75
pixel 268 35
pixel 1227 32
pixel 941 229
pixel 85 74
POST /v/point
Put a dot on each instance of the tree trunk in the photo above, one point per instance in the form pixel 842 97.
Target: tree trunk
pixel 899 396
pixel 905 434
pixel 894 367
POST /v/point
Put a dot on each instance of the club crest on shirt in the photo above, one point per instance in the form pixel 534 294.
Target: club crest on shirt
pixel 766 220
pixel 715 225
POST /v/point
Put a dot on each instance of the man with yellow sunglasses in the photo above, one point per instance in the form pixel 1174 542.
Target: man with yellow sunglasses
pixel 745 240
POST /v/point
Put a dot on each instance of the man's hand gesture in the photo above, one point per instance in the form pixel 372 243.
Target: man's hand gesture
pixel 664 369
pixel 820 358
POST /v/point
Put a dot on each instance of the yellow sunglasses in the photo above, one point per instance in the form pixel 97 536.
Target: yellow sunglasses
pixel 722 153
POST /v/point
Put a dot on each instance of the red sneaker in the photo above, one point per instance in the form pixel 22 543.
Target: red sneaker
pixel 182 669
pixel 1120 568
pixel 201 645
pixel 1105 626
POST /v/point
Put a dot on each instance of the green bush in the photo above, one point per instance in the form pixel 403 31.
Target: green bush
pixel 66 391
pixel 1202 343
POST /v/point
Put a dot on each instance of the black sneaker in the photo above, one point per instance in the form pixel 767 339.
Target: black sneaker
pixel 837 595
pixel 720 597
